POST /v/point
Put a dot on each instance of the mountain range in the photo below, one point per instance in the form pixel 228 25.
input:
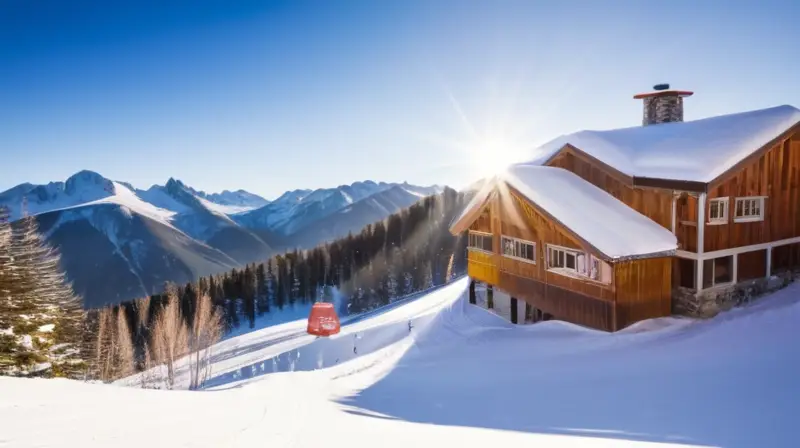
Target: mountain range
pixel 118 242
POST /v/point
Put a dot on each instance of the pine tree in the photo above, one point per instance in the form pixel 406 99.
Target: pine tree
pixel 249 290
pixel 391 285
pixel 280 288
pixel 408 284
pixel 8 313
pixel 262 290
pixel 428 276
pixel 39 292
pixel 272 284
pixel 295 291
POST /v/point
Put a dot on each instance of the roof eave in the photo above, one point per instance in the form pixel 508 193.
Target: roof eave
pixel 670 184
pixel 659 254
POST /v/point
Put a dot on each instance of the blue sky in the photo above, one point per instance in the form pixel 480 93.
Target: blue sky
pixel 276 95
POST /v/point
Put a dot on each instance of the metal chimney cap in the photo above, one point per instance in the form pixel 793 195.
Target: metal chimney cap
pixel 661 87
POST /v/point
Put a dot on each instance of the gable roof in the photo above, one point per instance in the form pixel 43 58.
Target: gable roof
pixel 699 150
pixel 611 227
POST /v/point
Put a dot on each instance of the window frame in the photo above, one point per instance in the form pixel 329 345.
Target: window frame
pixel 588 260
pixel 761 200
pixel 565 250
pixel 482 234
pixel 713 278
pixel 520 241
pixel 726 200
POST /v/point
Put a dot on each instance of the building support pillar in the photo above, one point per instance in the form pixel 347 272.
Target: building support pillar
pixel 701 227
pixel 735 274
pixel 769 262
pixel 472 291
pixel 514 311
pixel 674 213
pixel 489 296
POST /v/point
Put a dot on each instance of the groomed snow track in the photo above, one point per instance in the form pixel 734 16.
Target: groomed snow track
pixel 360 335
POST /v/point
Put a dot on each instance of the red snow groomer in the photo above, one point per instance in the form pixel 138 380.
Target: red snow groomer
pixel 323 320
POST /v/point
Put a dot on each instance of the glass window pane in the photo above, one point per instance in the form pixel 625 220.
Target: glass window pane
pixel 570 263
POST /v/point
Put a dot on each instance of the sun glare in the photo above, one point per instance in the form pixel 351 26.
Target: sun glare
pixel 493 156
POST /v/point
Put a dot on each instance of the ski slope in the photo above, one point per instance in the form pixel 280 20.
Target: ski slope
pixel 460 376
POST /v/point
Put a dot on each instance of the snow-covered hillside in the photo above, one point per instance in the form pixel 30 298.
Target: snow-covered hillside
pixel 437 371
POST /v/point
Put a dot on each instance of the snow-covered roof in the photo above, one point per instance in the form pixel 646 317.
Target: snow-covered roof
pixel 610 226
pixel 698 150
pixel 602 220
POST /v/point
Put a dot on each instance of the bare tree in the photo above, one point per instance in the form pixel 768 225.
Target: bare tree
pixel 148 375
pixel 169 338
pixel 206 331
pixel 124 359
pixel 106 342
pixel 142 313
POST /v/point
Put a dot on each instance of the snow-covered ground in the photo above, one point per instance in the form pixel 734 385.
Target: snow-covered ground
pixel 459 376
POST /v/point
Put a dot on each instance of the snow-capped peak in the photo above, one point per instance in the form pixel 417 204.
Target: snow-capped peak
pixel 80 188
pixel 86 181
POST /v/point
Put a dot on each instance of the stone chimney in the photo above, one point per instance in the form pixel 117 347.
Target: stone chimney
pixel 663 105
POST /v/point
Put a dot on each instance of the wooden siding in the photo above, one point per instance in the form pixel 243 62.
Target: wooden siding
pixel 575 300
pixel 686 222
pixel 542 231
pixel 751 265
pixel 774 174
pixel 643 290
pixel 562 303
pixel 483 223
pixel 482 267
pixel 656 204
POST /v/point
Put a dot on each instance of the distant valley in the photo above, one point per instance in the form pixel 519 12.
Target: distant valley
pixel 118 242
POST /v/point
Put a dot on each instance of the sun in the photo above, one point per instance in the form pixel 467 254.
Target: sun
pixel 493 156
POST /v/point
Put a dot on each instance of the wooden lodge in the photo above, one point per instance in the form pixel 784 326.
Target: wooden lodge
pixel 604 228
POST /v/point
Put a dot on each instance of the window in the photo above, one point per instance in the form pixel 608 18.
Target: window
pixel 717 271
pixel 560 258
pixel 574 263
pixel 480 241
pixel 519 249
pixel 718 210
pixel 749 209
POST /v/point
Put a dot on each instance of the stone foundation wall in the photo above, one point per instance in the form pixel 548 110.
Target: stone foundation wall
pixel 711 302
